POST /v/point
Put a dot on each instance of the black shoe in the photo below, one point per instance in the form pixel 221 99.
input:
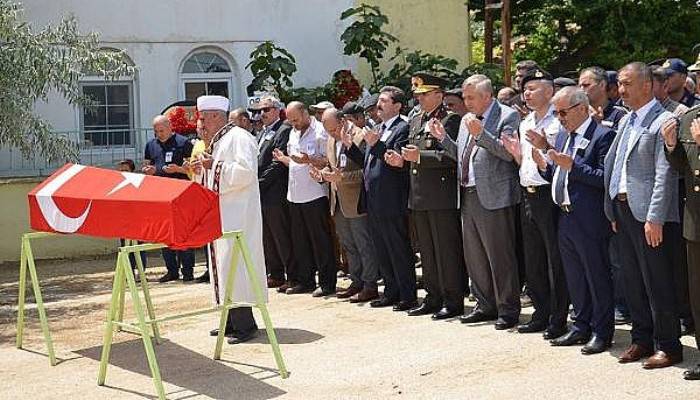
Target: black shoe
pixel 692 374
pixel 299 289
pixel 242 337
pixel 405 305
pixel 596 345
pixel 476 316
pixel 215 332
pixel 570 339
pixel 503 323
pixel 188 278
pixel 423 309
pixel 553 333
pixel 168 277
pixel 445 313
pixel 532 327
pixel 382 302
pixel 204 278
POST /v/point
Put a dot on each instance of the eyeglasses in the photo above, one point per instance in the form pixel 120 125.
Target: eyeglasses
pixel 564 112
pixel 262 110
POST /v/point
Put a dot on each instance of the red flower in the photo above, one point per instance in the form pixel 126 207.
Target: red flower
pixel 344 88
pixel 183 121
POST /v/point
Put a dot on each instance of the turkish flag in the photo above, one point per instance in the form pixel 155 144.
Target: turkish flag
pixel 113 204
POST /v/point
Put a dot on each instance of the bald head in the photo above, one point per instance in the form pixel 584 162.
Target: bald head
pixel 298 115
pixel 332 121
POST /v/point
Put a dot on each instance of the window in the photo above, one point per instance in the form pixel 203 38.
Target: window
pixel 206 73
pixel 108 121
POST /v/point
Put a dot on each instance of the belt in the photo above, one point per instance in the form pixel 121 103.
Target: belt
pixel 566 209
pixel 468 189
pixel 621 197
pixel 532 189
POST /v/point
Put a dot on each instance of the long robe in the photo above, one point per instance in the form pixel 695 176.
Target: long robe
pixel 234 175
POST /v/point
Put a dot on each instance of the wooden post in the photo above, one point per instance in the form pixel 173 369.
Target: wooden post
pixel 505 41
pixel 488 33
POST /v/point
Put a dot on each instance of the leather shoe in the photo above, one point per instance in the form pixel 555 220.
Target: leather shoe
pixel 215 332
pixel 242 337
pixel 349 292
pixel 476 316
pixel 532 327
pixel 274 283
pixel 405 305
pixel 503 323
pixel 445 313
pixel 364 295
pixel 571 338
pixel 321 292
pixel 423 309
pixel 168 277
pixel 553 333
pixel 382 302
pixel 596 345
pixel 634 353
pixel 692 374
pixel 284 287
pixel 662 359
pixel 204 278
pixel 299 289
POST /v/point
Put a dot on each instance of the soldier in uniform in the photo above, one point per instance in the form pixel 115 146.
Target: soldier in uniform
pixel 433 201
pixel 682 149
pixel 678 71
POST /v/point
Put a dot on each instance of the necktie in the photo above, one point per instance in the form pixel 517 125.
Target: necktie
pixel 619 161
pixel 466 155
pixel 561 178
pixel 365 171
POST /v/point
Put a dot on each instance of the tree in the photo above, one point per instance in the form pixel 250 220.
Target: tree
pixel 568 35
pixel 34 62
pixel 272 68
pixel 365 36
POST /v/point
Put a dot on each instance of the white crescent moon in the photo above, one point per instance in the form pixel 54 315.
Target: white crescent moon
pixel 56 219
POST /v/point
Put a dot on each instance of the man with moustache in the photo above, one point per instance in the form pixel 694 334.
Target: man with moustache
pixel 594 81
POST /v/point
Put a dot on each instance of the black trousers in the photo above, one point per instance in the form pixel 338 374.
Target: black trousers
pixel 277 241
pixel 679 260
pixel 393 245
pixel 241 320
pixel 694 283
pixel 543 266
pixel 176 259
pixel 312 244
pixel 444 273
pixel 649 284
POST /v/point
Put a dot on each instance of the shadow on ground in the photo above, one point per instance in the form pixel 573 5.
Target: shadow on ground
pixel 214 379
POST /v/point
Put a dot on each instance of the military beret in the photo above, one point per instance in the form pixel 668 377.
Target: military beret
pixel 563 82
pixel 536 74
pixel 352 108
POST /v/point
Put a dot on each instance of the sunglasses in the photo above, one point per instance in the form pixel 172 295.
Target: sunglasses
pixel 563 113
pixel 262 110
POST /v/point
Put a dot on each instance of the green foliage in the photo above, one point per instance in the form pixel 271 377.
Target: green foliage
pixel 34 62
pixel 365 36
pixel 308 95
pixel 566 35
pixel 272 68
pixel 408 63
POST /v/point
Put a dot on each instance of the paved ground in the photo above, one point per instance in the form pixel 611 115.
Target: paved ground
pixel 334 350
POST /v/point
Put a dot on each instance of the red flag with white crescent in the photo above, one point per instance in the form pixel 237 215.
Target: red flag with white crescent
pixel 113 204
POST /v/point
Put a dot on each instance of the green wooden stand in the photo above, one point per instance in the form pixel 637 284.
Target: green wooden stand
pixel 123 279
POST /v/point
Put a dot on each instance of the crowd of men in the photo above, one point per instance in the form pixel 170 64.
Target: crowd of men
pixel 586 193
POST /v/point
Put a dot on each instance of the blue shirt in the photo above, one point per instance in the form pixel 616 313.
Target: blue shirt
pixel 172 151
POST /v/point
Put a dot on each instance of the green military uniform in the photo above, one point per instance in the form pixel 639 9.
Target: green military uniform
pixel 434 208
pixel 685 157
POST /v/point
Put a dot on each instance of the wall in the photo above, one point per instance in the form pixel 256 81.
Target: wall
pixel 436 27
pixel 14 221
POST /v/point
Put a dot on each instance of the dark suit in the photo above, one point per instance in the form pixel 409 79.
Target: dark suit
pixel 584 234
pixel 273 178
pixel 650 195
pixel 435 212
pixel 384 198
pixel 685 158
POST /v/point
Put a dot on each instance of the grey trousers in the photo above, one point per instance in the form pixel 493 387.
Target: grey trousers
pixel 362 260
pixel 489 250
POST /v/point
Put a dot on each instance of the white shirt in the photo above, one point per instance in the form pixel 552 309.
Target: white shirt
pixel 386 125
pixel 580 142
pixel 641 114
pixel 485 117
pixel 301 188
pixel 529 173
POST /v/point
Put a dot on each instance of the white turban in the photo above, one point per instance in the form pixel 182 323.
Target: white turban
pixel 212 103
